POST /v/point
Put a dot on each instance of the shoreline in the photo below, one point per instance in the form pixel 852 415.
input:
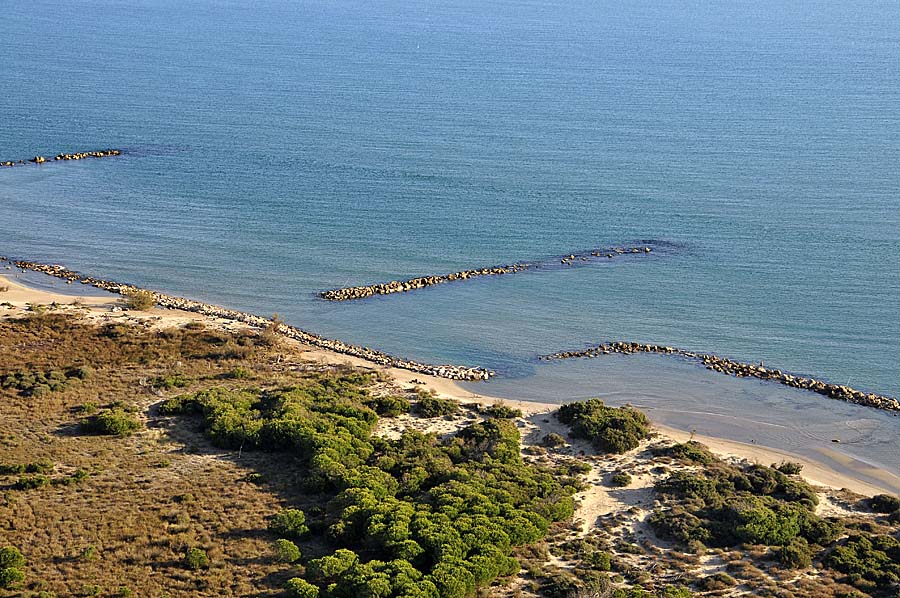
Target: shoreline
pixel 102 308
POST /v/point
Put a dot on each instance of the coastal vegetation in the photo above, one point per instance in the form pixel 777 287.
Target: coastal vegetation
pixel 416 516
pixel 609 429
pixel 299 479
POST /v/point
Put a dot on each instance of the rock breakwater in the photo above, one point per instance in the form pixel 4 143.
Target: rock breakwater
pixel 739 369
pixel 453 372
pixel 397 286
pixel 63 157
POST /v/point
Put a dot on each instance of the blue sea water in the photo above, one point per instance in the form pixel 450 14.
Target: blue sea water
pixel 280 148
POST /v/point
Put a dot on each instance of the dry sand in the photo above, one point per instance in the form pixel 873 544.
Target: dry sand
pixel 537 421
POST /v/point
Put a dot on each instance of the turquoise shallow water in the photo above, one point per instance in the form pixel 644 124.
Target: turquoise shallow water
pixel 276 149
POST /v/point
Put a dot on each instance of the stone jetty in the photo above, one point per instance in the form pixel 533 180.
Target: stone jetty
pixel 397 286
pixel 724 365
pixel 63 157
pixel 453 372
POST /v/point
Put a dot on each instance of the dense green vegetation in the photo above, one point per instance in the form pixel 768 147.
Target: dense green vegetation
pixel 35 384
pixel 610 429
pixel 416 516
pixel 868 558
pixel 429 405
pixel 116 421
pixel 502 411
pixel 726 505
pixel 12 564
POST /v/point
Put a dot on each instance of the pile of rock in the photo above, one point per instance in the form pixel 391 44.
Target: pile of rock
pixel 453 372
pixel 397 286
pixel 739 369
pixel 76 156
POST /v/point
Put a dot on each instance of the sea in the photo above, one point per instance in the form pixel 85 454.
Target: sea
pixel 278 148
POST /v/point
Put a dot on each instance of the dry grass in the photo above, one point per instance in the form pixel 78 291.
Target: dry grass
pixel 148 497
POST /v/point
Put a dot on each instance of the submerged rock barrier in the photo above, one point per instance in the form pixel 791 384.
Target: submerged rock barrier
pixel 739 369
pixel 397 286
pixel 63 157
pixel 453 372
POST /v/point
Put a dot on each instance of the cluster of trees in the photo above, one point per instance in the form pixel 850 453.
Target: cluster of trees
pixel 610 429
pixel 724 505
pixel 35 384
pixel 415 516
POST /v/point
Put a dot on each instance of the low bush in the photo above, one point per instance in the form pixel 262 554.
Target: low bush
pixel 691 452
pixel 139 300
pixel 31 482
pixel 621 479
pixel 11 578
pixel 297 587
pixel 884 503
pixel 502 411
pixel 553 440
pixel 35 384
pixel 788 467
pixel 195 559
pixel 389 406
pixel 286 551
pixel 432 406
pixel 11 564
pixel 610 429
pixel 716 582
pixel 170 381
pixel 796 554
pixel 112 422
pixel 290 523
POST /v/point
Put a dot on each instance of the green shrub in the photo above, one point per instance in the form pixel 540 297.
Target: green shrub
pixel 715 582
pixel 290 523
pixel 788 467
pixel 40 466
pixel 688 452
pixel 884 503
pixel 610 429
pixel 502 411
pixel 286 551
pixel 12 469
pixel 389 406
pixel 300 588
pixel 171 381
pixel 869 557
pixel 10 577
pixel 112 422
pixel 621 479
pixel 432 406
pixel 139 299
pixel 239 373
pixel 90 554
pixel 796 554
pixel 553 440
pixel 10 556
pixel 31 482
pixel 195 559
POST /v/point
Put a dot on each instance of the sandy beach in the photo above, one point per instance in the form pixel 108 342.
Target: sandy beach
pixel 104 307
